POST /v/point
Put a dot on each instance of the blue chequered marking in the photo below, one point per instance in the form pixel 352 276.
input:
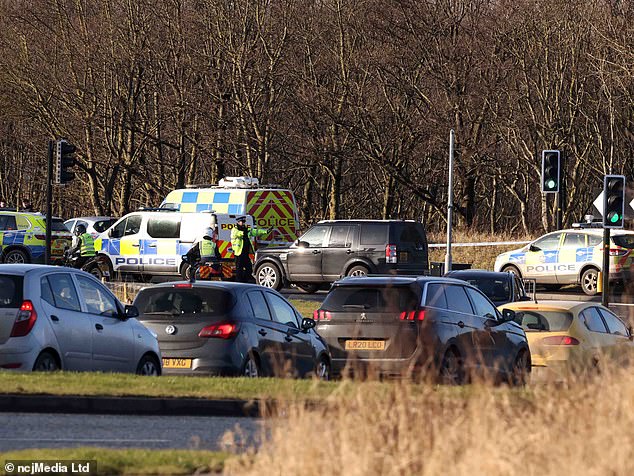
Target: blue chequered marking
pixel 146 249
pixel 112 247
pixel 189 197
pixel 583 254
pixel 221 197
pixel 12 238
pixel 519 258
pixel 551 256
pixel 37 251
pixel 204 207
pixel 236 208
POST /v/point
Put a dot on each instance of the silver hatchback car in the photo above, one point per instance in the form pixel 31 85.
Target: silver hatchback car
pixel 54 318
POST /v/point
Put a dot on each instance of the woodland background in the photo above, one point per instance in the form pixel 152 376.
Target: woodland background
pixel 347 102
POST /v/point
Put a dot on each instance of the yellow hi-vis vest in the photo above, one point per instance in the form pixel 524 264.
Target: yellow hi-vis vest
pixel 207 249
pixel 237 239
pixel 87 245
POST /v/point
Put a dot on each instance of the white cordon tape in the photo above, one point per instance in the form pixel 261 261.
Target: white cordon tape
pixel 490 243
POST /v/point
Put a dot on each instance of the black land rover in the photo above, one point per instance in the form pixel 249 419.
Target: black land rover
pixel 335 248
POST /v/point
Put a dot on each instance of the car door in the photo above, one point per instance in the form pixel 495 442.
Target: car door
pixel 620 344
pixel 598 337
pixel 337 251
pixel 304 256
pixel 72 328
pixel 463 318
pixel 296 350
pixel 159 248
pixel 113 341
pixel 541 259
pixel 123 244
pixel 574 253
pixel 270 339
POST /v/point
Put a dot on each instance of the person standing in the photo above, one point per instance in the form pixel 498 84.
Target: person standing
pixel 243 242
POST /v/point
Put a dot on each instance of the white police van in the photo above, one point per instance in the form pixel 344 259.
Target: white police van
pixel 151 242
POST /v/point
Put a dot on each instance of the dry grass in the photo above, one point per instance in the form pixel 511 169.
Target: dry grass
pixel 581 427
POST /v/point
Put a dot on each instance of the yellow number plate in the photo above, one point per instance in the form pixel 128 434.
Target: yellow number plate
pixel 177 363
pixel 365 345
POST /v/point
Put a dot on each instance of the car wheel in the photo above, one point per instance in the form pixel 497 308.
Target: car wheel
pixel 185 271
pixel 358 271
pixel 589 281
pixel 322 371
pixel 521 369
pixel 148 366
pixel 308 287
pixel 16 257
pixel 96 272
pixel 251 368
pixel 46 362
pixel 269 276
pixel 513 270
pixel 451 368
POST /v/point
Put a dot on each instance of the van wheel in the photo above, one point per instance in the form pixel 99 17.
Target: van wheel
pixel 16 257
pixel 513 270
pixel 589 281
pixel 358 271
pixel 269 276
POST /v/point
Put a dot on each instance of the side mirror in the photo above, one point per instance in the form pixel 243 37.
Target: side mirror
pixel 534 248
pixel 508 315
pixel 308 323
pixel 303 244
pixel 525 298
pixel 130 311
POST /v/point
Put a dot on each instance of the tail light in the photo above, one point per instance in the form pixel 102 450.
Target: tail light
pixel 25 320
pixel 321 315
pixel 559 340
pixel 225 330
pixel 618 251
pixel 390 254
pixel 413 315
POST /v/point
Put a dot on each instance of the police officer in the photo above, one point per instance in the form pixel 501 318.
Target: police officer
pixel 83 246
pixel 243 242
pixel 205 248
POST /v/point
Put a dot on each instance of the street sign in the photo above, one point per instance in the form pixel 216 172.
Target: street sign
pixel 598 203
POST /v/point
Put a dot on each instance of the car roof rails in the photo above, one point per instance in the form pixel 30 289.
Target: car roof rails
pixel 157 209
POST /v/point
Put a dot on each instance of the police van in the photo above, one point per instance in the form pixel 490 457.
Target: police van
pixel 270 206
pixel 573 256
pixel 151 242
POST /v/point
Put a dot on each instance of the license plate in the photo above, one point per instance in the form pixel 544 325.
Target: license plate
pixel 403 257
pixel 177 363
pixel 365 345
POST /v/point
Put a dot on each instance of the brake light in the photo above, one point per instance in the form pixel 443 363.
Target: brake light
pixel 183 285
pixel 222 331
pixel 390 254
pixel 560 340
pixel 618 251
pixel 25 320
pixel 412 315
pixel 321 315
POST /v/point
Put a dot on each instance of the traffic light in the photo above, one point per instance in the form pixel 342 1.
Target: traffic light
pixel 64 160
pixel 613 201
pixel 550 171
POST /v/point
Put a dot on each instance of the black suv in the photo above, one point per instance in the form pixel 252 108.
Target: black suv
pixel 335 248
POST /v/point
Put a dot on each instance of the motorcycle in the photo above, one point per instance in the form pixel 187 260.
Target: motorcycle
pixel 194 268
pixel 96 265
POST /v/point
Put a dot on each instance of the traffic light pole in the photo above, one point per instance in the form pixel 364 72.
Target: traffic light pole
pixel 49 202
pixel 605 274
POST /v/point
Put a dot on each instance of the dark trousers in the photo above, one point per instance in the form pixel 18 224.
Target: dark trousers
pixel 244 268
pixel 81 261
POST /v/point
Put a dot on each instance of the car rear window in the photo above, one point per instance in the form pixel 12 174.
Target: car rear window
pixel 624 241
pixel 169 302
pixel 544 321
pixel 371 299
pixel 11 290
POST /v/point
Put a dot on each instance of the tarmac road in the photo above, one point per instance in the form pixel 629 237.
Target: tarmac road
pixel 45 430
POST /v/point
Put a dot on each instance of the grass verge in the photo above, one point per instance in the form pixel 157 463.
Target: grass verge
pixel 115 462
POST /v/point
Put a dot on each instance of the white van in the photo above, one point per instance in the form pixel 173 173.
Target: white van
pixel 152 242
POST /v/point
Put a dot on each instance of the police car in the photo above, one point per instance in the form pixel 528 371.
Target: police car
pixel 152 242
pixel 23 237
pixel 572 256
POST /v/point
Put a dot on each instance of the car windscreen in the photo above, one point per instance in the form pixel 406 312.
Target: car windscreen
pixel 157 303
pixel 624 241
pixel 372 299
pixel 544 321
pixel 11 290
pixel 102 225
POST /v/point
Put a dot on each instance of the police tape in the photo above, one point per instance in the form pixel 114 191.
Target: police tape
pixel 489 243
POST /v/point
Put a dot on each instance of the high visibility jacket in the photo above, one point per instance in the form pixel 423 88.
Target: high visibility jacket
pixel 87 245
pixel 237 238
pixel 207 249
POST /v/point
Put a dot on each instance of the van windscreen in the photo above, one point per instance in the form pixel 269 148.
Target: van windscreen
pixel 11 290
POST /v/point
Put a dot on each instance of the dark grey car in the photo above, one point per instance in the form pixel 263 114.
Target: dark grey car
pixel 425 326
pixel 500 287
pixel 225 328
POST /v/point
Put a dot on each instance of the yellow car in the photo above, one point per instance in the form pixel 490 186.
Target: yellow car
pixel 568 336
